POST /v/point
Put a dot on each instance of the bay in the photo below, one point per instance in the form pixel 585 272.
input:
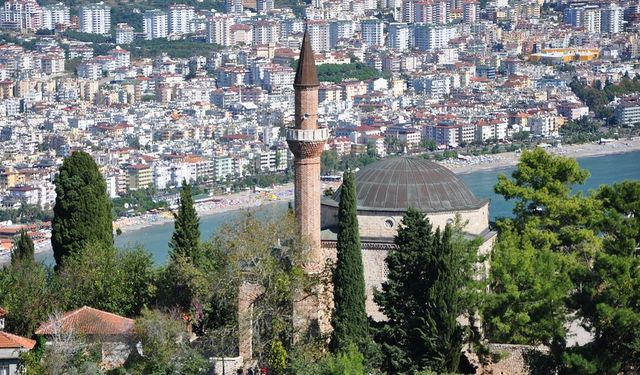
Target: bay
pixel 605 169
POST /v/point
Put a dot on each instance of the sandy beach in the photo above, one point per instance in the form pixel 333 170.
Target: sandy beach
pixel 510 159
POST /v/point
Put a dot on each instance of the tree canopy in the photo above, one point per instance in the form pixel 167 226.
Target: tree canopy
pixel 82 212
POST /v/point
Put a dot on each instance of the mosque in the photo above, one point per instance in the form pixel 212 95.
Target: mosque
pixel 385 190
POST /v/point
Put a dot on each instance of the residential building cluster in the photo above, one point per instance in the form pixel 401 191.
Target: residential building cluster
pixel 447 73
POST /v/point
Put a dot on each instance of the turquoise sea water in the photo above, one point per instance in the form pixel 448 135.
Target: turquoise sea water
pixel 604 170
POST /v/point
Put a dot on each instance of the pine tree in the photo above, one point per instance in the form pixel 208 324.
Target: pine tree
pixel 349 319
pixel 421 300
pixel 185 241
pixel 23 249
pixel 82 213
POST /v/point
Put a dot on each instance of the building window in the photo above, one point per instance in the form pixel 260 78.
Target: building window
pixel 389 223
pixel 4 369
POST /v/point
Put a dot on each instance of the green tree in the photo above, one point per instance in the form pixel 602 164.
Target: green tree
pixel 541 251
pixel 26 295
pixel 185 241
pixel 82 212
pixel 349 318
pixel 165 347
pixel 610 289
pixel 23 248
pixel 100 277
pixel 422 299
pixel 277 357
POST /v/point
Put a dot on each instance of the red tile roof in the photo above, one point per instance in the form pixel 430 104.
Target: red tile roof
pixel 9 341
pixel 89 321
pixel 3 312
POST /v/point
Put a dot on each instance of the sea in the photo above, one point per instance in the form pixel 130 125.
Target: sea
pixel 605 169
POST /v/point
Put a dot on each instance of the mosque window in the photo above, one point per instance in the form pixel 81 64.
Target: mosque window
pixel 389 223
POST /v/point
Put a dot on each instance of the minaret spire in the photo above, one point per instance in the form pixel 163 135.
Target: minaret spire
pixel 306 75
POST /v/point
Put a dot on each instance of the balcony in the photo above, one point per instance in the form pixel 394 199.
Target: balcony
pixel 311 135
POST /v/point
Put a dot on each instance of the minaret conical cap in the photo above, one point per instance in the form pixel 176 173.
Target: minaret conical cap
pixel 306 75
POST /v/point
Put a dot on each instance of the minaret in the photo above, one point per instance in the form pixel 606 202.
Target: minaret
pixel 306 141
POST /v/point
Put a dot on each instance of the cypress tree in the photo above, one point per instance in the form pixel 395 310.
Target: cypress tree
pixel 439 349
pixel 349 319
pixel 23 249
pixel 186 235
pixel 82 213
pixel 421 299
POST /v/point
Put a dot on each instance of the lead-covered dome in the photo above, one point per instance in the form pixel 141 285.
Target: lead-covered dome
pixel 396 184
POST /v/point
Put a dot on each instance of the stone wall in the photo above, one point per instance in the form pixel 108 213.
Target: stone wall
pixel 385 224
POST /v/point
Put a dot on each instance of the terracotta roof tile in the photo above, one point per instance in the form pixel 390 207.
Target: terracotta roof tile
pixel 90 321
pixel 9 341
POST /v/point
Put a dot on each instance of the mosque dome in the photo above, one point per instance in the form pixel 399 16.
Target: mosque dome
pixel 399 183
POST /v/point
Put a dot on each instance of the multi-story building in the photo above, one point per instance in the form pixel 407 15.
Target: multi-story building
pixel 89 69
pixel 233 6
pixel 155 24
pixel 139 176
pixel 95 18
pixel 430 37
pixel 544 125
pixel 180 16
pixel 263 6
pixel 55 14
pixel 372 32
pixel 471 11
pixel 121 56
pixel 266 32
pixel 399 36
pixel 572 111
pixel 124 33
pixel 21 15
pixel 628 112
pixel 408 11
pixel 340 30
pixel 219 30
pixel 222 168
pixel 612 18
pixel 319 34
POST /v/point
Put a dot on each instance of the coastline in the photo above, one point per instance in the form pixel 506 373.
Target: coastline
pixel 283 193
pixel 511 159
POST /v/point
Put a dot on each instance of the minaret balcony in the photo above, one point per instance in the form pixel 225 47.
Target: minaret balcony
pixel 310 135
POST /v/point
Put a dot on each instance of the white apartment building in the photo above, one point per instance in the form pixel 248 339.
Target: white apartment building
pixel 180 16
pixel 399 36
pixel 155 24
pixel 21 15
pixel 319 35
pixel 372 32
pixel 95 18
pixel 233 6
pixel 340 29
pixel 471 11
pixel 611 19
pixel 55 14
pixel 52 63
pixel 124 33
pixel 266 32
pixel 544 125
pixel 222 168
pixel 219 30
pixel 430 37
pixel 264 6
pixel 90 69
pixel 121 56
